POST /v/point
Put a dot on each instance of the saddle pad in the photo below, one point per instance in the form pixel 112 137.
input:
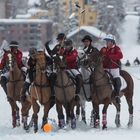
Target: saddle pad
pixel 123 83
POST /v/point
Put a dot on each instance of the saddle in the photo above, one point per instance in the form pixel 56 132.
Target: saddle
pixel 123 82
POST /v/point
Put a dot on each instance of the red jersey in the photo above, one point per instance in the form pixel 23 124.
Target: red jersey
pixel 18 57
pixel 112 57
pixel 71 59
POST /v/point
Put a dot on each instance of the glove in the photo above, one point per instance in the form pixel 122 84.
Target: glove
pixel 23 98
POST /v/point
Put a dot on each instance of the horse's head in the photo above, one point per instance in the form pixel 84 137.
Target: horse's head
pixel 40 59
pixel 93 59
pixel 59 62
pixel 12 63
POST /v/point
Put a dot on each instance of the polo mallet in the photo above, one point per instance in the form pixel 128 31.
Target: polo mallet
pixel 81 12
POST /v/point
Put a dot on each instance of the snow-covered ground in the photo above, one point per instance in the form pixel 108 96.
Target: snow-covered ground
pixel 128 34
pixel 82 132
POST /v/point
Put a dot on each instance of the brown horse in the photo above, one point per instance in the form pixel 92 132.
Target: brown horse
pixel 40 90
pixel 102 91
pixel 64 93
pixel 14 87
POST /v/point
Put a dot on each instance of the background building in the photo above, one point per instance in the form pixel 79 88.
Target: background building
pixel 2 9
pixel 77 35
pixel 86 18
pixel 26 32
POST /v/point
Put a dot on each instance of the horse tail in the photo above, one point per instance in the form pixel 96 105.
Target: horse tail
pixel 127 77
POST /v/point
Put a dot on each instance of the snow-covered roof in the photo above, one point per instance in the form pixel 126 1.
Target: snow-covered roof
pixel 36 10
pixel 32 2
pixel 90 29
pixel 24 20
pixel 25 16
pixel 33 12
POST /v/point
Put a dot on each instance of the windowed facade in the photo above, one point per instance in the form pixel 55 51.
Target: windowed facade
pixel 26 32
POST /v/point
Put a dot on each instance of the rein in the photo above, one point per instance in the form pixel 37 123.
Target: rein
pixel 41 86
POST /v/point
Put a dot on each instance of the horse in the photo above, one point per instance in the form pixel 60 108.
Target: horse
pixel 64 93
pixel 40 90
pixel 85 89
pixel 14 87
pixel 102 91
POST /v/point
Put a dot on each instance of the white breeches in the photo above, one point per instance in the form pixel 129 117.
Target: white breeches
pixel 115 72
pixel 73 72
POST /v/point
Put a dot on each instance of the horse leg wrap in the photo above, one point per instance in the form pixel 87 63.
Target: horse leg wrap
pixel 61 123
pixel 117 119
pixel 130 123
pixel 17 118
pixel 25 126
pixel 35 119
pixel 96 123
pixel 83 116
pixel 92 119
pixel 104 119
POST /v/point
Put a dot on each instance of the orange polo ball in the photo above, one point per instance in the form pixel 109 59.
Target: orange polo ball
pixel 47 128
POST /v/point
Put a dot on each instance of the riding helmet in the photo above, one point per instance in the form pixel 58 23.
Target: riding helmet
pixel 61 36
pixel 87 37
pixel 14 44
pixel 110 37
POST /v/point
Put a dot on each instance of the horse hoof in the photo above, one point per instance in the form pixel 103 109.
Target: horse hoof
pixel 104 127
pixel 84 120
pixel 18 123
pixel 35 130
pixel 77 116
pixel 61 123
pixel 14 126
pixel 129 125
pixel 118 125
pixel 73 123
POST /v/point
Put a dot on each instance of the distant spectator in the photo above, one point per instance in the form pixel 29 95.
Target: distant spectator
pixel 127 63
pixel 137 61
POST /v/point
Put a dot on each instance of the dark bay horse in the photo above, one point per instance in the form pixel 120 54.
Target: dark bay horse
pixel 40 90
pixel 64 93
pixel 102 91
pixel 14 86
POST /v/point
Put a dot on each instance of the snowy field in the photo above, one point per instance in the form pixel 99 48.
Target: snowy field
pixel 83 131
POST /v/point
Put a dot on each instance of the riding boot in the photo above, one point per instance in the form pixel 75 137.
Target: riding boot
pixel 24 75
pixel 24 90
pixel 3 83
pixel 52 79
pixel 117 87
pixel 79 82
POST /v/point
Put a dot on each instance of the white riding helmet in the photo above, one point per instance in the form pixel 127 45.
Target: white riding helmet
pixel 110 37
